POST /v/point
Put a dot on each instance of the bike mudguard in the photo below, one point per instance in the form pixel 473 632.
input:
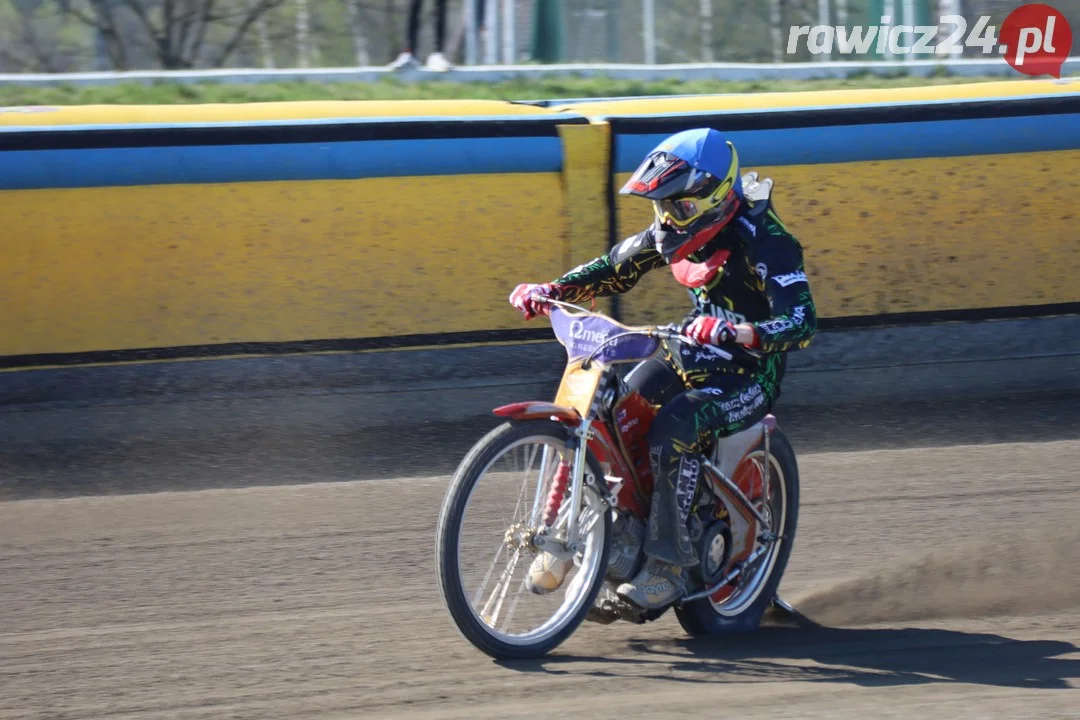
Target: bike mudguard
pixel 538 409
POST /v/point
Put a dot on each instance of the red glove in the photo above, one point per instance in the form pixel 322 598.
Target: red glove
pixel 706 330
pixel 524 298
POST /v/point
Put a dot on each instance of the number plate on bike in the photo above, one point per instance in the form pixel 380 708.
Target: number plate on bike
pixel 578 388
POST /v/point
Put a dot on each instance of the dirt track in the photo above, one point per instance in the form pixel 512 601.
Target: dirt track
pixel 319 601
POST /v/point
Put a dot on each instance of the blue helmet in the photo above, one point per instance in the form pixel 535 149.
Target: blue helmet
pixel 694 183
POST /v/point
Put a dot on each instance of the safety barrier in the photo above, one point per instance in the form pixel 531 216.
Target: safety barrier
pixel 915 204
pixel 169 232
pixel 149 233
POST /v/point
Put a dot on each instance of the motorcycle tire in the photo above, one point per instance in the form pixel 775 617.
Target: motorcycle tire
pixel 702 617
pixel 455 597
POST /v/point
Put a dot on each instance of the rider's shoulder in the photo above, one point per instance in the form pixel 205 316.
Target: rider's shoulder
pixel 757 191
pixel 758 195
pixel 757 198
pixel 758 218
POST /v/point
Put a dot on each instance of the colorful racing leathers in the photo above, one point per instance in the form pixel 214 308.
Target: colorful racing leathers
pixel 703 395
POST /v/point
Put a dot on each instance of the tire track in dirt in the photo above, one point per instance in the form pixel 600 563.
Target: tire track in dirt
pixel 319 601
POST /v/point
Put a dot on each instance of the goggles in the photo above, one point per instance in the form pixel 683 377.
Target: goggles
pixel 680 212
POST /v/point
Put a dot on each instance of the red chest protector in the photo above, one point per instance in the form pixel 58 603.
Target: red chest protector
pixel 699 274
pixel 695 275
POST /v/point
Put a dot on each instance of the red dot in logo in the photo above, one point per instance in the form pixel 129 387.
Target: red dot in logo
pixel 1038 39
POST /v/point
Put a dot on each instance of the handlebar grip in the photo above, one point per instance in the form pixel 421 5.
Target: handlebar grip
pixel 739 354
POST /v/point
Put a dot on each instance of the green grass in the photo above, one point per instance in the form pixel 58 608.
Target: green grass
pixel 541 89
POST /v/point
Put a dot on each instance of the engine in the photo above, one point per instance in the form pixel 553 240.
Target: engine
pixel 628 537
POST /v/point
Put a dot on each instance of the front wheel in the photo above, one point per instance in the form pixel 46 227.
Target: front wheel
pixel 739 609
pixel 493 510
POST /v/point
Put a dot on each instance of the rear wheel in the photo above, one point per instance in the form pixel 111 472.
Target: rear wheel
pixel 739 609
pixel 493 509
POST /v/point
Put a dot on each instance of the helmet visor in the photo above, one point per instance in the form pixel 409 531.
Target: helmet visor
pixel 655 175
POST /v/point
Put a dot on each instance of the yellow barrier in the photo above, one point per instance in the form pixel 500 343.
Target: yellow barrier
pixel 941 219
pixel 92 272
pixel 585 184
pixel 908 236
pixel 188 265
pixel 364 240
pixel 987 91
pixel 263 112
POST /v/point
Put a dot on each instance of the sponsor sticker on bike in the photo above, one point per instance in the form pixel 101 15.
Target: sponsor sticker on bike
pixel 584 336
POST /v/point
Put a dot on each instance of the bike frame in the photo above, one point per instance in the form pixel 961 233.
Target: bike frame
pixel 586 404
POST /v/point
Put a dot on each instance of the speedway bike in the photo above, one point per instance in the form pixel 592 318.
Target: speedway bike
pixel 570 482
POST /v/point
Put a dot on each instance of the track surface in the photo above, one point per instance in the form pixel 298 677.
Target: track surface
pixel 935 545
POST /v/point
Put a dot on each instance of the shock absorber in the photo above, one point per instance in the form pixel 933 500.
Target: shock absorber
pixel 559 484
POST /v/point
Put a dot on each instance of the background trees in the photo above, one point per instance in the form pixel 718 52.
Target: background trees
pixel 76 35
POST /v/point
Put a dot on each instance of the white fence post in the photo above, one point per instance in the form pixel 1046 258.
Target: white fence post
pixel 823 20
pixel 909 19
pixel 776 31
pixel 649 22
pixel 889 11
pixel 509 25
pixel 706 31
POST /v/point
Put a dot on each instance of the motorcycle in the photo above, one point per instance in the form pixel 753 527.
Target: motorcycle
pixel 578 476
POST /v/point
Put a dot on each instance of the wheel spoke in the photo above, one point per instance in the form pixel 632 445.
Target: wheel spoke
pixel 513 606
pixel 489 615
pixel 524 484
pixel 534 516
pixel 589 519
pixel 487 576
pixel 501 601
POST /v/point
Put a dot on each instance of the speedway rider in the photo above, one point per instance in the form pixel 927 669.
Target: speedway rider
pixel 744 272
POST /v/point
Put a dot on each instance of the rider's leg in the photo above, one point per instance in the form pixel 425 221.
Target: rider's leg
pixel 656 380
pixel 681 433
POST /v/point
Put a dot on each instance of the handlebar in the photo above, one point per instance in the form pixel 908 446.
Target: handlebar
pixel 671 331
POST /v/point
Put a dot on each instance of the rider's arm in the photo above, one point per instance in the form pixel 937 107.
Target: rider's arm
pixel 794 319
pixel 612 273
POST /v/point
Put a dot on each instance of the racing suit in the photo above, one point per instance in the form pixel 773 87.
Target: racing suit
pixel 702 395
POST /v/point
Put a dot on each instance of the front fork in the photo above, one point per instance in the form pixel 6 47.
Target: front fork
pixel 580 446
pixel 570 507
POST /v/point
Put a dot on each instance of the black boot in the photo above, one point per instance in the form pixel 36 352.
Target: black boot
pixel 663 579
